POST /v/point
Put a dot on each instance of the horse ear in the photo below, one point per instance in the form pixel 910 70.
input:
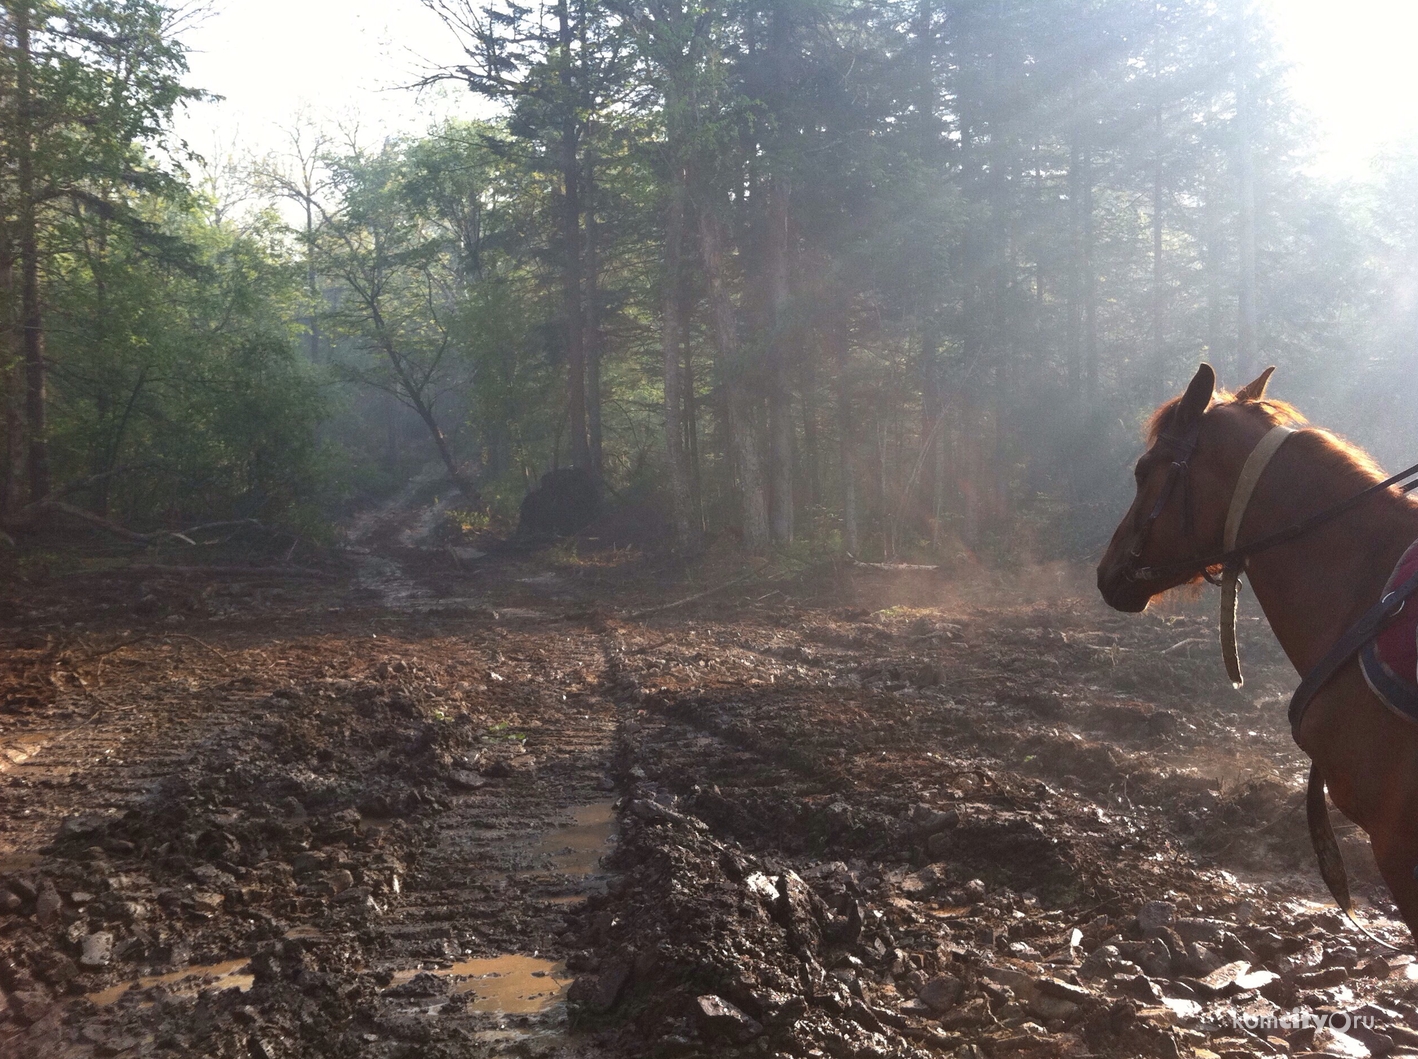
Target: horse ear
pixel 1254 391
pixel 1196 400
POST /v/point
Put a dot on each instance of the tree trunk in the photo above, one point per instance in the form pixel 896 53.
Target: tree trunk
pixel 940 471
pixel 31 310
pixel 571 293
pixel 1246 329
pixel 1156 373
pixel 464 484
pixel 12 478
pixel 1159 304
pixel 12 473
pixel 595 345
pixel 105 457
pixel 414 395
pixel 1001 156
pixel 393 450
pixel 691 426
pixel 742 430
pixel 811 456
pixel 672 331
pixel 932 406
pixel 105 483
pixel 1074 340
pixel 846 444
pixel 1090 280
pixel 499 427
pixel 780 400
pixel 311 280
pixel 1212 214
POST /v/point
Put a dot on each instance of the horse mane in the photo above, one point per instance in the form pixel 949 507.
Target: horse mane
pixel 1333 451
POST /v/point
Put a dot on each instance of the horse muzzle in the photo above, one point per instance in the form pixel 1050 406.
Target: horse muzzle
pixel 1120 590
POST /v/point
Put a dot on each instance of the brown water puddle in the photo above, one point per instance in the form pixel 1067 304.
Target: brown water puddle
pixel 190 979
pixel 577 848
pixel 505 985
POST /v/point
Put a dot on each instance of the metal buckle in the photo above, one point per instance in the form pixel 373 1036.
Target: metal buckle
pixel 1396 611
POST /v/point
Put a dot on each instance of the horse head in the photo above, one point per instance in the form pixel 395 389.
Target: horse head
pixel 1197 445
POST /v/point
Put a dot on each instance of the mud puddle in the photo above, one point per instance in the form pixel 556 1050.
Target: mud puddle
pixel 504 985
pixel 578 848
pixel 189 980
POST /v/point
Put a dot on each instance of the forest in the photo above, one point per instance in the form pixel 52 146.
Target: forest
pixel 889 278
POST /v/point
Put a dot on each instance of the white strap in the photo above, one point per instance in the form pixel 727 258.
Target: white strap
pixel 1254 467
pixel 1251 471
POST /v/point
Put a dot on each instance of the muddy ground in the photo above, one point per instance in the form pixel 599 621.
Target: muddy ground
pixel 417 801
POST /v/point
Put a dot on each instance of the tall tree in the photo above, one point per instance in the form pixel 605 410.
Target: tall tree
pixel 399 279
pixel 89 87
pixel 559 68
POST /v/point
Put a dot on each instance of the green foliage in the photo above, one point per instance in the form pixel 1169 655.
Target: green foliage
pixel 188 376
pixel 172 390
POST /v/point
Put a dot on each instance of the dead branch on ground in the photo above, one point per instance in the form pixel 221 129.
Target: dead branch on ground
pixel 690 599
pixel 894 568
pixel 155 569
pixel 28 517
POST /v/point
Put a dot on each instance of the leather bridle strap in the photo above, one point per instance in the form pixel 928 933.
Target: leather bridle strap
pixel 1177 472
pixel 1251 472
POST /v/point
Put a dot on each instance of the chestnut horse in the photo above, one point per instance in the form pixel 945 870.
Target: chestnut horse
pixel 1312 588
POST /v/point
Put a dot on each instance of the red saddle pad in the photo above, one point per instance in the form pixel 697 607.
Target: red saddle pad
pixel 1397 646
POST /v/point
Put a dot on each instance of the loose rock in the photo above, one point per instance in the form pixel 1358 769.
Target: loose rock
pixel 940 993
pixel 721 1020
pixel 98 950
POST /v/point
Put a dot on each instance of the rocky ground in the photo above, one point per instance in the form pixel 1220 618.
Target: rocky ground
pixel 407 801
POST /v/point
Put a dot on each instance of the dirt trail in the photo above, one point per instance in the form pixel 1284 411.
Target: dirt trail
pixel 433 807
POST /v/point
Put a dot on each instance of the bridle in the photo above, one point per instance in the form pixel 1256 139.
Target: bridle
pixel 1178 476
pixel 1232 559
pixel 1234 556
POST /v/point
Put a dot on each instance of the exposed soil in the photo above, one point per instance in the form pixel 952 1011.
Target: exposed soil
pixel 467 802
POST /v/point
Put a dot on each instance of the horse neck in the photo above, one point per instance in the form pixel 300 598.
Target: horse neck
pixel 1312 589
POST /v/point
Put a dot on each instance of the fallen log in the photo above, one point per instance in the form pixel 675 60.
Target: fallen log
pixel 895 568
pixel 27 517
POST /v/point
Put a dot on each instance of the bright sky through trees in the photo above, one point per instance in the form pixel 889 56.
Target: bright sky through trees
pixel 1352 70
pixel 332 59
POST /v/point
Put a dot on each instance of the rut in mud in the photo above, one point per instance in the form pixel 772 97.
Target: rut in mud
pixel 430 805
